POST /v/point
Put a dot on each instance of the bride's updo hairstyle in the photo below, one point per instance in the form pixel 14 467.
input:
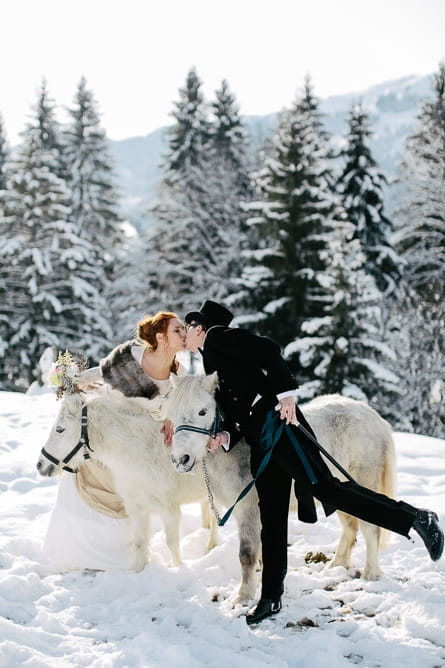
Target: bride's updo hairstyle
pixel 150 325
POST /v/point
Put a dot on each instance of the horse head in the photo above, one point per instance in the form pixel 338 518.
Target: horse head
pixel 60 450
pixel 192 409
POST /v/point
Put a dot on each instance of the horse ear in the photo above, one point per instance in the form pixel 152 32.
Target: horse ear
pixel 211 382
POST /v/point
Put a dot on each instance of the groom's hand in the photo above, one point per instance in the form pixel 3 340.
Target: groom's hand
pixel 288 410
pixel 220 440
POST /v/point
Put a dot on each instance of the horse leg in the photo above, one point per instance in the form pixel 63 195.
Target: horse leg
pixel 205 514
pixel 348 537
pixel 371 533
pixel 171 519
pixel 249 528
pixel 140 525
pixel 213 533
pixel 208 521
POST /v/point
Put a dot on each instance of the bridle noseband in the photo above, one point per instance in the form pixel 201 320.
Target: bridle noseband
pixel 84 442
pixel 215 427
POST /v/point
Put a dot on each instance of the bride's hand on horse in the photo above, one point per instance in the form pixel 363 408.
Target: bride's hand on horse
pixel 219 440
pixel 167 430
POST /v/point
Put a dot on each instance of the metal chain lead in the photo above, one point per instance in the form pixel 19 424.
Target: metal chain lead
pixel 209 491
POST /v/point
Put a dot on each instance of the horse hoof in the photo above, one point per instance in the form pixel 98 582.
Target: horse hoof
pixel 372 574
pixel 139 566
pixel 334 564
pixel 243 599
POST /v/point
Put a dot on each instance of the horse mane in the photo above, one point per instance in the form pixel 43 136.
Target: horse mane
pixel 107 400
pixel 116 402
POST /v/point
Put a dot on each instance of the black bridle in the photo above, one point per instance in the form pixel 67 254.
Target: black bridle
pixel 215 427
pixel 84 442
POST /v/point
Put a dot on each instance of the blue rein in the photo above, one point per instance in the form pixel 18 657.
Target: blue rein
pixel 270 435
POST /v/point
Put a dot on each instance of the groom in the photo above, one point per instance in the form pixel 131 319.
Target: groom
pixel 257 389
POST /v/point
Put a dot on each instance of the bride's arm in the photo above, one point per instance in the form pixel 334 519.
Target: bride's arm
pixel 90 377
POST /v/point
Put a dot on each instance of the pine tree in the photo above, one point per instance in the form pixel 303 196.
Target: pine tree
pixel 421 242
pixel 228 139
pixel 4 153
pixel 180 246
pixel 343 348
pixel 292 214
pixel 188 247
pixel 6 252
pixel 421 219
pixel 129 294
pixel 52 278
pixel 360 187
pixel 421 346
pixel 90 180
pixel 197 244
pixel 36 208
pixel 190 132
pixel 155 259
pixel 59 303
pixel 45 127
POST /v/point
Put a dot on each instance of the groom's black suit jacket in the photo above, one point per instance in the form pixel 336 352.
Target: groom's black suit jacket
pixel 248 365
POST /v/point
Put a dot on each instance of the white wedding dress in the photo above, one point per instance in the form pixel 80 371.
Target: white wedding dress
pixel 81 537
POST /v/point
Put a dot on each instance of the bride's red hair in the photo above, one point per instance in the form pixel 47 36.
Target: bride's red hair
pixel 150 325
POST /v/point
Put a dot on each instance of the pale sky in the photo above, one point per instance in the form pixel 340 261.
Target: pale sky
pixel 135 54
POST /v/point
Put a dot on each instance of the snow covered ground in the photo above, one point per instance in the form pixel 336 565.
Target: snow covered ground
pixel 182 617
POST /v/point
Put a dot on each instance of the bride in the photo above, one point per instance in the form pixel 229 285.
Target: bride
pixel 89 527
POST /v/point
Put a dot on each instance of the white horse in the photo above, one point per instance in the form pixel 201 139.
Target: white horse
pixel 124 437
pixel 352 432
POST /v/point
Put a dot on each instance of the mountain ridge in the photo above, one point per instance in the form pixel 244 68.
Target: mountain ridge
pixel 393 107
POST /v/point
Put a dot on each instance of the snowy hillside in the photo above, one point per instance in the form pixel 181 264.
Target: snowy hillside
pixel 393 107
pixel 181 617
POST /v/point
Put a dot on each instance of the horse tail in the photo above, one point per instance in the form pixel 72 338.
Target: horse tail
pixel 388 479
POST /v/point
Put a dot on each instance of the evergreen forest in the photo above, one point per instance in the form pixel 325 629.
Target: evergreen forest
pixel 293 236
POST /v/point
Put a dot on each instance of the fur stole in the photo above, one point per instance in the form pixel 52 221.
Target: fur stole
pixel 123 373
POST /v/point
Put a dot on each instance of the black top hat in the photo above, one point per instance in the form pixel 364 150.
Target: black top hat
pixel 209 314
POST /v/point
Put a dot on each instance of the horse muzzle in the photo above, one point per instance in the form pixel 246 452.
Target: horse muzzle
pixel 47 470
pixel 184 464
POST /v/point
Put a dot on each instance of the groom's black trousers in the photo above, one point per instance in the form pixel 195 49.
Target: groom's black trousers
pixel 274 487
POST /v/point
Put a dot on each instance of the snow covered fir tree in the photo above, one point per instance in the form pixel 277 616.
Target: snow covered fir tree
pixel 420 238
pixel 52 269
pixel 90 178
pixel 6 252
pixel 166 256
pixel 196 246
pixel 344 347
pixel 294 237
pixel 317 297
pixel 360 186
pixel 291 215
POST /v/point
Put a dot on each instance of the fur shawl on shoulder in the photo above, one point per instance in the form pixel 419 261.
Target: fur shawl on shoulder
pixel 123 373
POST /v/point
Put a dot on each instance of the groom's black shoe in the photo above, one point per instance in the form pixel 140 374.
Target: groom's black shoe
pixel 265 608
pixel 426 524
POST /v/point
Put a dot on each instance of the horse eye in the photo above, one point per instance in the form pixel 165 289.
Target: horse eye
pixel 202 411
pixel 60 429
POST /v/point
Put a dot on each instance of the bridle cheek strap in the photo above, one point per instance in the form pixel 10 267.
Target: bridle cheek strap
pixel 84 442
pixel 197 430
pixel 215 427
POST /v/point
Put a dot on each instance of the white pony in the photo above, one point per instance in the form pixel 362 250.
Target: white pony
pixel 352 432
pixel 124 437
